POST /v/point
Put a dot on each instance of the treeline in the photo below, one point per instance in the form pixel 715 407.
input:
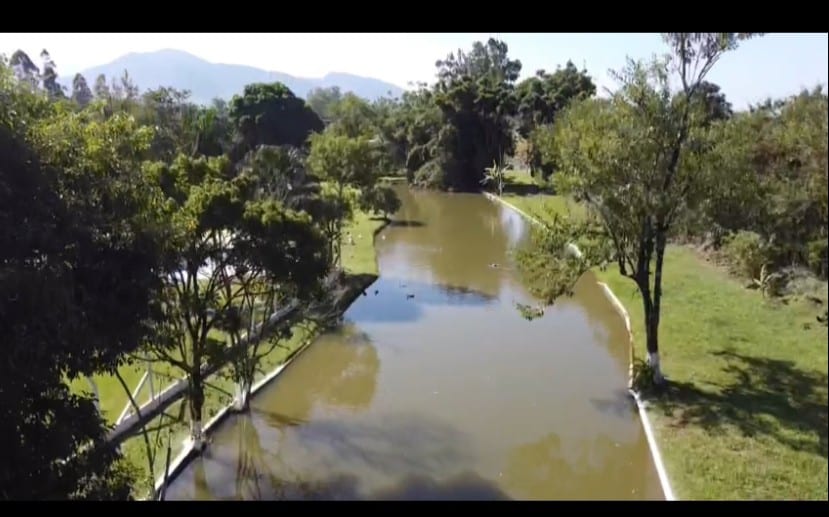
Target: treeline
pixel 764 168
pixel 143 226
pixel 445 135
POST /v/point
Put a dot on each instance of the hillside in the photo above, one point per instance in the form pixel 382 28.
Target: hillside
pixel 207 80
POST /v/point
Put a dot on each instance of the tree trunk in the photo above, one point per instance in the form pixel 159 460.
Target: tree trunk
pixel 196 403
pixel 651 327
pixel 653 321
pixel 652 339
pixel 241 399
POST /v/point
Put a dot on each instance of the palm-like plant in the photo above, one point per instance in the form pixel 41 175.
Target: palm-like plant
pixel 495 175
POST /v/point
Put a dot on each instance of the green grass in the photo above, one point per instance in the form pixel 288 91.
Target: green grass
pixel 360 258
pixel 519 177
pixel 543 206
pixel 745 414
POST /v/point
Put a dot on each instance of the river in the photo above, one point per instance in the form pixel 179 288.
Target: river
pixel 435 387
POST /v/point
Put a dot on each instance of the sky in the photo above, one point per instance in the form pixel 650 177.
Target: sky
pixel 775 65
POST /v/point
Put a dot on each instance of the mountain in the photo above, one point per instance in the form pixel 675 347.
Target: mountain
pixel 207 81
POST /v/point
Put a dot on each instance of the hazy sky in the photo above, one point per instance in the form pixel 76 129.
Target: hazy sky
pixel 774 65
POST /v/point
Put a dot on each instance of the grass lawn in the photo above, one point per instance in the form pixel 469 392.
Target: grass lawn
pixel 542 206
pixel 519 177
pixel 745 414
pixel 360 258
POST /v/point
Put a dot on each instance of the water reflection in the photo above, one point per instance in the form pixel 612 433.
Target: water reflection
pixel 544 469
pixel 338 371
pixel 462 236
pixel 396 300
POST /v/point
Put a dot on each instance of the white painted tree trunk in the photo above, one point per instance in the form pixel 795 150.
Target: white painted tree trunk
pixel 197 435
pixel 571 250
pixel 653 362
pixel 240 400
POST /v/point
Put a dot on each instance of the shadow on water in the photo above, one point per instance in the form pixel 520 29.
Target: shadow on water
pixel 405 223
pixel 394 300
pixel 244 467
pixel 760 388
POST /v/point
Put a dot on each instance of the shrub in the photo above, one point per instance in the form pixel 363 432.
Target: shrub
pixel 746 253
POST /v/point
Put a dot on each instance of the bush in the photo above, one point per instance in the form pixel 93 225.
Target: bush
pixel 817 257
pixel 379 200
pixel 746 253
pixel 431 175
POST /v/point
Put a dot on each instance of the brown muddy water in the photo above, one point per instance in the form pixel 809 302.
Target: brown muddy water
pixel 435 387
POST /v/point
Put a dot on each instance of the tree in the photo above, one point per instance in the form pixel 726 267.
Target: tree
pixel 285 263
pixel 771 180
pixel 379 199
pixel 633 160
pixel 76 276
pixel 495 175
pixel 229 242
pixel 49 76
pixel 353 117
pixel 540 97
pixel 716 105
pixel 346 163
pixel 323 101
pixel 101 88
pixel 24 69
pixel 270 114
pixel 539 100
pixel 80 91
pixel 475 95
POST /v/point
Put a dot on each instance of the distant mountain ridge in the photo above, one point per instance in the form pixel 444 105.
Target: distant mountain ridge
pixel 206 80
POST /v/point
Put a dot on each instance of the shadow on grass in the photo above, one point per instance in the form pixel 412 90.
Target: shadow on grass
pixel 767 397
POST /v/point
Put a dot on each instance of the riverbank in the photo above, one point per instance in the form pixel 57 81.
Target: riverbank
pixel 360 264
pixel 745 414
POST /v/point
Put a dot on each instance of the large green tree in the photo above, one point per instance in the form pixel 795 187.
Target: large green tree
pixel 539 99
pixel 77 273
pixel 634 160
pixel 346 165
pixel 474 93
pixel 226 238
pixel 270 114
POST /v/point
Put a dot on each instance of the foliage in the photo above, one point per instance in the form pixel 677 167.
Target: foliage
pixel 380 200
pixel 544 95
pixel 345 163
pixel 771 178
pixel 323 101
pixel 270 114
pixel 747 252
pixel 77 275
pixel 635 160
pixel 542 151
pixel 81 93
pixel 475 95
pixel 495 176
